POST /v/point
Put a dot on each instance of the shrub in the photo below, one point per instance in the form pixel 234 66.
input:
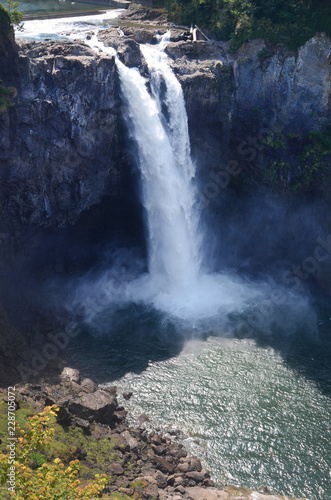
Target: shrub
pixel 50 481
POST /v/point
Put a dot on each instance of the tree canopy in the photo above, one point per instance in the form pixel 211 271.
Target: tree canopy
pixel 290 22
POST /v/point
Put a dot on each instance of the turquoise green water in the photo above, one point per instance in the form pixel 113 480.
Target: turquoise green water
pixel 36 7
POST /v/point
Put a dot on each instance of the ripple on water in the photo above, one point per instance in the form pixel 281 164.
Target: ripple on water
pixel 258 421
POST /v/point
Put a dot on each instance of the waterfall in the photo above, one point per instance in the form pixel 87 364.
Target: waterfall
pixel 166 168
pixel 158 125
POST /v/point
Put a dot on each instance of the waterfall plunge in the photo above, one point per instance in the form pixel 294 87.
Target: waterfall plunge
pixel 174 284
pixel 166 169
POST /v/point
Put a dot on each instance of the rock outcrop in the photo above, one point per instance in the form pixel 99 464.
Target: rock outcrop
pixel 63 134
pixel 227 94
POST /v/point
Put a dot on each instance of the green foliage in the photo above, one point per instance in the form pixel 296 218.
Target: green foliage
pixel 5 98
pixel 14 14
pixel 4 16
pixel 68 442
pixel 50 481
pixel 290 22
pixel 299 164
pixel 38 458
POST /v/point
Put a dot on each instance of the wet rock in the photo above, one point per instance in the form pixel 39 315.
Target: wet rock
pixel 143 35
pixel 98 406
pixel 112 389
pixel 131 442
pixel 196 476
pixel 127 395
pixel 89 385
pixel 189 464
pixel 208 483
pixel 143 418
pixel 177 450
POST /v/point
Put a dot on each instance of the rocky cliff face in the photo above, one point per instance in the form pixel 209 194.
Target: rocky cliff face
pixel 63 147
pixel 232 97
pixel 60 145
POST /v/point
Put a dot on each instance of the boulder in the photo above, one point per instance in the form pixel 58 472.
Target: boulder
pixel 161 479
pixel 117 469
pixel 98 406
pixel 70 375
pixel 131 442
pixel 195 476
pixel 127 395
pixel 164 466
pixel 189 464
pixel 150 487
pixel 89 385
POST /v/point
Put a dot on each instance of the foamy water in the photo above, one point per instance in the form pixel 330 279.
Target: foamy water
pixel 67 27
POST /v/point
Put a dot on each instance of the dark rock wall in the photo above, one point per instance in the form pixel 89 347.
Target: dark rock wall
pixel 227 94
pixel 63 134
pixel 63 147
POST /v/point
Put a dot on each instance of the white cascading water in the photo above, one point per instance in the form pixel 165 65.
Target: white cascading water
pixel 174 283
pixel 166 168
pixel 158 124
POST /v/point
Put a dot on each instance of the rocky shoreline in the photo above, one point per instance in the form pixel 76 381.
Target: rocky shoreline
pixel 146 465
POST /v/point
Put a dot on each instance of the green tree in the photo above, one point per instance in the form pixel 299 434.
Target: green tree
pixel 15 15
pixel 289 22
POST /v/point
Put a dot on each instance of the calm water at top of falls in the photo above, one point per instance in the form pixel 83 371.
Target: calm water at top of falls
pixel 259 406
pixel 37 7
pixel 67 27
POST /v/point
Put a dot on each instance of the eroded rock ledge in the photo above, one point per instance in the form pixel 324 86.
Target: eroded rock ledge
pixel 159 466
